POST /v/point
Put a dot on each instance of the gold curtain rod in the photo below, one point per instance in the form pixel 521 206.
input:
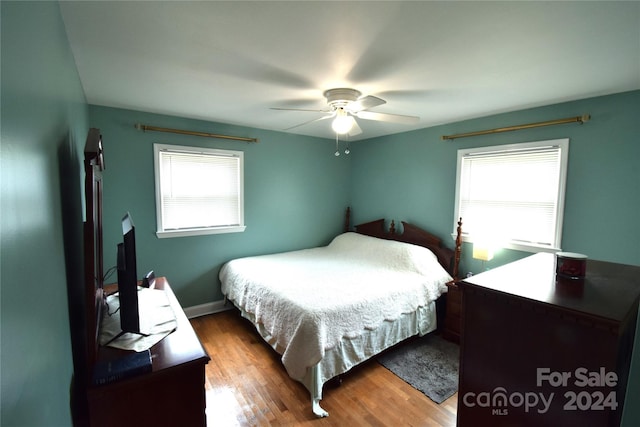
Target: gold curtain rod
pixel 579 119
pixel 145 128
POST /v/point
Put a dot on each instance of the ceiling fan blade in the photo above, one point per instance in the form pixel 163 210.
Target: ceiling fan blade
pixel 391 118
pixel 311 121
pixel 365 103
pixel 300 109
pixel 355 130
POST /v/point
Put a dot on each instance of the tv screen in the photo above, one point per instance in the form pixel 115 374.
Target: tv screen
pixel 128 278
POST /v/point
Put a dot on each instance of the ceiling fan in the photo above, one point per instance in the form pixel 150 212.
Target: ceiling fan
pixel 345 104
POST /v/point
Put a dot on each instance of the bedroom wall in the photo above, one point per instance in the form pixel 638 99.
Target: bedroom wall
pixel 296 192
pixel 411 177
pixel 44 125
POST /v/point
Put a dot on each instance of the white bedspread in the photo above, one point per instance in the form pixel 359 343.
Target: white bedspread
pixel 308 300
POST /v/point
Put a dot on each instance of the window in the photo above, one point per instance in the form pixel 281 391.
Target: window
pixel 513 195
pixel 198 190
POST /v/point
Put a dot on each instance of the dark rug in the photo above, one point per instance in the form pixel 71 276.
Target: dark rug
pixel 429 364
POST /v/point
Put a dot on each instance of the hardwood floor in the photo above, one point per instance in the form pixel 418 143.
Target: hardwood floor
pixel 247 385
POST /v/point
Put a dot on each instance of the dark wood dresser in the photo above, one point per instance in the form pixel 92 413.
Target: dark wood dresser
pixel 173 394
pixel 537 351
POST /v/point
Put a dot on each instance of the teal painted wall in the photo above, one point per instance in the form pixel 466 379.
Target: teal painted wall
pixel 296 192
pixel 44 124
pixel 411 177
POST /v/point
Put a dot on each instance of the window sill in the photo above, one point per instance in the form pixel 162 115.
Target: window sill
pixel 200 231
pixel 517 246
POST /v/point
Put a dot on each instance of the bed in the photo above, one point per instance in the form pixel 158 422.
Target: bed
pixel 327 309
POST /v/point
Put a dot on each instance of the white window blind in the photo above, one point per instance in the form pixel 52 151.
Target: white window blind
pixel 198 190
pixel 513 195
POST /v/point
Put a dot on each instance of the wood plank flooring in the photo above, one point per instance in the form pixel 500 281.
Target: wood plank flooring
pixel 247 385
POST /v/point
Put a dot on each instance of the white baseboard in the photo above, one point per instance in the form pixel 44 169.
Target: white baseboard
pixel 208 308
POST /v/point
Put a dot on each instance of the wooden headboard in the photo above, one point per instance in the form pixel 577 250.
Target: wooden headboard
pixel 448 258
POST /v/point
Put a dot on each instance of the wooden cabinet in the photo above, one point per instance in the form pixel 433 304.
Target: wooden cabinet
pixel 173 394
pixel 537 351
pixel 452 320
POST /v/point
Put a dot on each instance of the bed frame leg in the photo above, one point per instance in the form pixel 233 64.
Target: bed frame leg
pixel 315 405
pixel 315 388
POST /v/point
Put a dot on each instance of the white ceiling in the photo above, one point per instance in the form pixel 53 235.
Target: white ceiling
pixel 442 61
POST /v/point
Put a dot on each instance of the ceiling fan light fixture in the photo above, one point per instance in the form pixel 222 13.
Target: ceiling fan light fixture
pixel 343 123
pixel 345 105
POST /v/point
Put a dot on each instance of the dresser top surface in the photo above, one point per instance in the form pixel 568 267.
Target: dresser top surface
pixel 609 290
pixel 182 346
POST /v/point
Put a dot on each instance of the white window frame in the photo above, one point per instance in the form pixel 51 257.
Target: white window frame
pixel 506 242
pixel 196 231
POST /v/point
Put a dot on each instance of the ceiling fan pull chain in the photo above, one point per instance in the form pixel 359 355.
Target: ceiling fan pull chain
pixel 337 150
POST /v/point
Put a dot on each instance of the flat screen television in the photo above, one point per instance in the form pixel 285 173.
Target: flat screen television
pixel 128 278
